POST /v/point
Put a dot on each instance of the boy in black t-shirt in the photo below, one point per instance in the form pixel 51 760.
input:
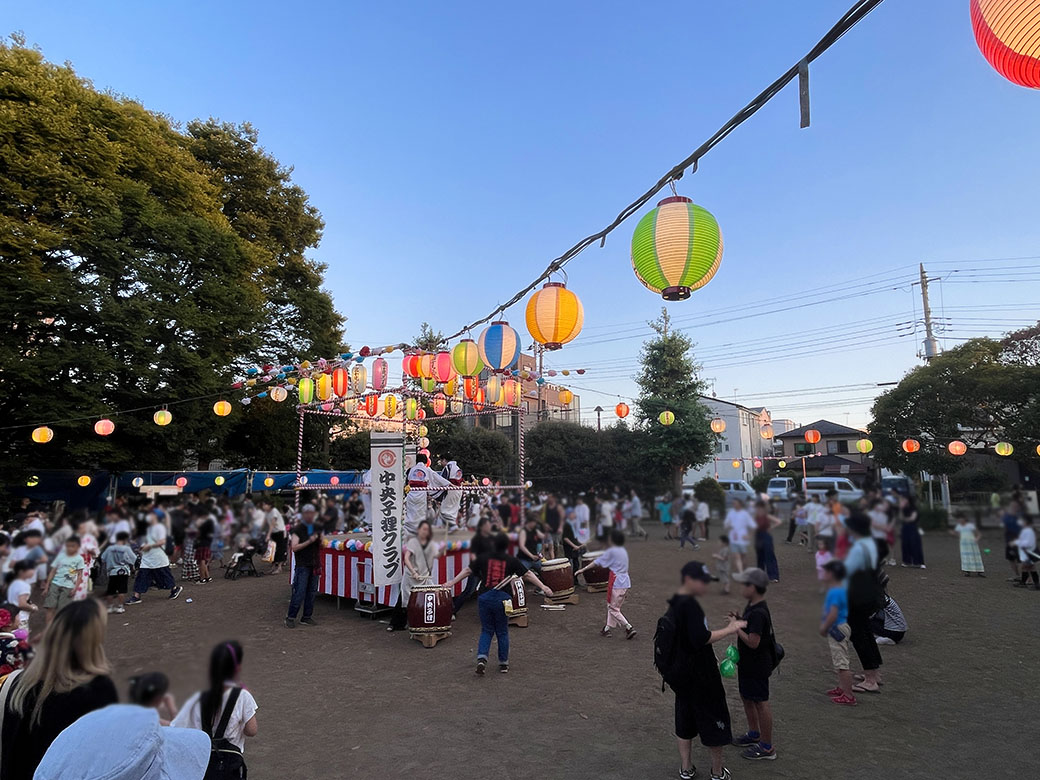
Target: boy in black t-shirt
pixel 491 571
pixel 700 706
pixel 755 644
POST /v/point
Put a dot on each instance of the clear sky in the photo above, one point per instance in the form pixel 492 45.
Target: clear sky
pixel 455 148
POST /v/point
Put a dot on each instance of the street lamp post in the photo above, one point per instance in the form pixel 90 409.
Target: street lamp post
pixel 598 410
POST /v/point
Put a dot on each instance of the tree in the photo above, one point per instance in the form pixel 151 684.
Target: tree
pixel 140 265
pixel 973 392
pixel 668 382
pixel 479 451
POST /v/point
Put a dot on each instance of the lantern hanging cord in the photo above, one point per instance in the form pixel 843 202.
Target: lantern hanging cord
pixel 849 20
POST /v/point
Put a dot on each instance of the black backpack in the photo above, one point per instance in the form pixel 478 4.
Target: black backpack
pixel 670 657
pixel 226 761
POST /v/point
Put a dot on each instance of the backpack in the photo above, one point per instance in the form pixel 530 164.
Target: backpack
pixel 777 651
pixel 226 761
pixel 670 658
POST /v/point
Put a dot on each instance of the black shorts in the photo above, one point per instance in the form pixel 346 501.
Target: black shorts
pixel 1011 553
pixel 753 688
pixel 707 718
pixel 117 584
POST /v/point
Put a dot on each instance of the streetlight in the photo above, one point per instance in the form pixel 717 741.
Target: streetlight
pixel 598 410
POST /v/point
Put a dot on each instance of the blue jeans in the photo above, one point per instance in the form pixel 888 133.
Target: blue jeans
pixel 471 587
pixel 304 586
pixel 493 621
pixel 160 578
pixel 766 554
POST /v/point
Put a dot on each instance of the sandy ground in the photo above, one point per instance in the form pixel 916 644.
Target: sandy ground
pixel 346 699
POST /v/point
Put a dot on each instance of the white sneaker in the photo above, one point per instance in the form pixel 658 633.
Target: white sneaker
pixel 111 609
pixel 120 609
pixel 884 640
pixel 724 776
pixel 687 774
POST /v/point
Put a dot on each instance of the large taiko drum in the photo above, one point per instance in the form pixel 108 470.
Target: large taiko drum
pixel 558 575
pixel 596 575
pixel 429 609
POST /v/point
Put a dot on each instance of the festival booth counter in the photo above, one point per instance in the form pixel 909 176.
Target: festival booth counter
pixel 346 567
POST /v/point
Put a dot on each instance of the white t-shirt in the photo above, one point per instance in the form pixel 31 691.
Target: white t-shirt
pixel 616 559
pixel 606 513
pixel 275 521
pixel 16 590
pixel 878 524
pixel 825 524
pixel 703 511
pixel 121 525
pixel 740 524
pixel 156 557
pixel 190 716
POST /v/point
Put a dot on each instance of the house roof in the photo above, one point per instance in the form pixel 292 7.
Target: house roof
pixel 829 465
pixel 825 427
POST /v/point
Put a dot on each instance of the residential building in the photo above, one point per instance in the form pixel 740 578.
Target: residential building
pixel 834 454
pixel 741 441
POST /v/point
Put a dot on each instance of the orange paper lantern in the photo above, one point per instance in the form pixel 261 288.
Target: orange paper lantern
pixel 957 447
pixel 621 410
pixel 911 445
pixel 104 427
pixel 1008 35
pixel 220 408
pixel 812 436
pixel 42 435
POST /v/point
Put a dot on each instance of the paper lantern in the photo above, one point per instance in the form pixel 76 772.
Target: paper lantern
pixel 83 480
pixel 424 442
pixel 621 410
pixel 410 365
pixel 812 436
pixel 470 385
pixel 380 374
pixel 220 408
pixel 957 447
pixel 499 346
pixel 676 248
pixel 305 388
pixel 756 463
pixel 269 482
pixel 426 365
pixel 492 388
pixel 451 386
pixel 1003 448
pixel 1008 35
pixel 421 414
pixel 104 426
pixel 137 482
pixel 554 315
pixel 566 396
pixel 371 404
pixel 911 445
pixel 340 381
pixel 718 425
pixel 218 481
pixel 350 405
pixel 32 481
pixel 42 435
pixel 863 446
pixel 439 405
pixel 782 464
pixel 428 384
pixel 766 431
pixel 465 357
pixel 512 392
pixel 456 405
pixel 324 387
pixel 390 406
pixel 358 378
pixel 443 370
pixel 478 399
pixel 422 430
pixel 411 408
pixel 279 394
pixel 162 417
pixel 666 418
pixel 1038 449
pixel 735 464
pixel 333 480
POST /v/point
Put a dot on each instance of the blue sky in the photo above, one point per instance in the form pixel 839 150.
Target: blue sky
pixel 455 148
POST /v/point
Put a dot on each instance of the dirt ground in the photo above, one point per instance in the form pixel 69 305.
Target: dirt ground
pixel 346 699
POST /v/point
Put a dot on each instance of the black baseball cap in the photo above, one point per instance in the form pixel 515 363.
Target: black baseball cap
pixel 696 570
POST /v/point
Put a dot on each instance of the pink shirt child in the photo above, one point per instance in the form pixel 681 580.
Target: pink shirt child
pixel 823 557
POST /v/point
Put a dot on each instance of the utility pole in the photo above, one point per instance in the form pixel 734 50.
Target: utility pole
pixel 931 346
pixel 598 410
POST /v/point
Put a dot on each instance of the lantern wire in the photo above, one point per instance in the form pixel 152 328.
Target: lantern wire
pixel 853 16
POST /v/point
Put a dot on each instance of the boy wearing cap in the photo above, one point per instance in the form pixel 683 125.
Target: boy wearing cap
pixel 700 705
pixel 755 644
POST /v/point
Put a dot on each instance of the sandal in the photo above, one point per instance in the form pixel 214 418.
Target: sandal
pixel 859 688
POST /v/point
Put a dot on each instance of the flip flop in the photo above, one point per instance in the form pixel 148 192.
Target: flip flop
pixel 861 689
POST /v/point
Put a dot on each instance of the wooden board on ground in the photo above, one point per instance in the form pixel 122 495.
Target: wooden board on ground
pixel 431 639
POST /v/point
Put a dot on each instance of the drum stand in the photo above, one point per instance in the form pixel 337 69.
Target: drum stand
pixel 430 639
pixel 519 620
pixel 595 587
pixel 571 598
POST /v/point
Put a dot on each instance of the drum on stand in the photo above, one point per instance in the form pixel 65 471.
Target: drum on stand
pixel 514 586
pixel 595 576
pixel 429 610
pixel 558 576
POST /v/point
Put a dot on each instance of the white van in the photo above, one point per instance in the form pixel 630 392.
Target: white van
pixel 780 488
pixel 738 490
pixel 821 486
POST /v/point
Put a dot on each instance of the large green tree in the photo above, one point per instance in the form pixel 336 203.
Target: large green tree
pixel 139 264
pixel 668 381
pixel 979 392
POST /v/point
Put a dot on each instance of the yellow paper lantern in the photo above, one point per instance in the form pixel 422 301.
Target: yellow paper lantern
pixel 324 387
pixel 766 431
pixel 863 446
pixel 390 406
pixel 554 315
pixel 83 480
pixel 735 464
pixel 782 464
pixel 451 386
pixel 218 481
pixel 718 425
pixel 666 418
pixel 42 435
pixel 222 408
pixel 162 417
pixel 279 394
pixel 1003 448
pixel 269 482
pixel 33 481
pixel 566 396
pixel 305 387
pixel 422 430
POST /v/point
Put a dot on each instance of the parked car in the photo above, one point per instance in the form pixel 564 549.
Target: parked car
pixel 781 489
pixel 738 490
pixel 848 493
pixel 898 483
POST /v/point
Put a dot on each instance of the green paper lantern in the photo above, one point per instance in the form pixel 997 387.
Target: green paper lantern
pixel 676 248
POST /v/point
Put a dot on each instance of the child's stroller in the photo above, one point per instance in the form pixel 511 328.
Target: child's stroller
pixel 241 563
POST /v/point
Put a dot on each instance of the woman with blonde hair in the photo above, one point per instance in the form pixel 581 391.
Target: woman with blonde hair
pixel 68 678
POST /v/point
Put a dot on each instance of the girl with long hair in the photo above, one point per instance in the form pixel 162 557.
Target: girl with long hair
pixel 68 678
pixel 205 709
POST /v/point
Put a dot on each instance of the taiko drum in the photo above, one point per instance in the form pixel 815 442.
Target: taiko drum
pixel 595 575
pixel 429 609
pixel 558 575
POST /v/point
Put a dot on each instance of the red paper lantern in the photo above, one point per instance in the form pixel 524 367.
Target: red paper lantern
pixel 411 366
pixel 104 427
pixel 812 436
pixel 621 410
pixel 340 381
pixel 1008 35
pixel 443 370
pixel 371 404
pixel 478 399
pixel 911 445
pixel 470 385
pixel 439 404
pixel 182 482
pixel 957 447
pixel 757 463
